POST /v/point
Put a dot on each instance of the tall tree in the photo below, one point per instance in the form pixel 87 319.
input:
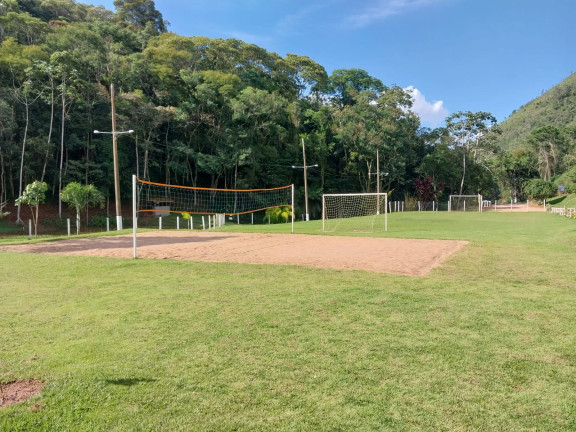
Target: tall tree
pixel 141 13
pixel 467 129
pixel 346 85
pixel 550 146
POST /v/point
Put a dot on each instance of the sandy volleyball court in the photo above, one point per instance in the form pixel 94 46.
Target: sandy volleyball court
pixel 382 255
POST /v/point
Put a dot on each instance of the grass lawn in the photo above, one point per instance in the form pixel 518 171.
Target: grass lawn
pixel 487 342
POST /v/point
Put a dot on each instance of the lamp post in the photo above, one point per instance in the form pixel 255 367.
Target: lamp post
pixel 116 170
pixel 305 167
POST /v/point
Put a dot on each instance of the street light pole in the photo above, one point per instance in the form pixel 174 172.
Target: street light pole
pixel 115 134
pixel 305 167
pixel 378 176
pixel 115 157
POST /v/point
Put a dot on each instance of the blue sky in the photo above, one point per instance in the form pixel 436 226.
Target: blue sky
pixel 455 55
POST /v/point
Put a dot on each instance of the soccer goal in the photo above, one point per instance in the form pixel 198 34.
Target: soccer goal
pixel 163 199
pixel 465 203
pixel 362 212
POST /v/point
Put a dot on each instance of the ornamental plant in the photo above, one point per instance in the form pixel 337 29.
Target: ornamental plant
pixel 34 194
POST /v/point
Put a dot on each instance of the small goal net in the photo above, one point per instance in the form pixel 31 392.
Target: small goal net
pixel 362 212
pixel 465 203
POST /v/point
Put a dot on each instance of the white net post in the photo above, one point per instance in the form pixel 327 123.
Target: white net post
pixel 134 216
pixel 291 206
pixel 323 213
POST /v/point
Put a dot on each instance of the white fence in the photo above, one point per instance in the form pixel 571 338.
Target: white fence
pixel 563 211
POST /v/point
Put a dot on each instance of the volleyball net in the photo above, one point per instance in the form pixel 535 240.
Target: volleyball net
pixel 160 199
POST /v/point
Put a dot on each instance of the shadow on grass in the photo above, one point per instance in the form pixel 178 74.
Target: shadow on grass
pixel 128 382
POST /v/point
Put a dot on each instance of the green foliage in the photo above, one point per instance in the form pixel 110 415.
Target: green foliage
pixel 33 196
pixel 540 189
pixel 556 107
pixel 219 113
pixel 80 197
pixel 277 215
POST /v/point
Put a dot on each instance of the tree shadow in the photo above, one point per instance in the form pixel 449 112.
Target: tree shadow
pixel 128 382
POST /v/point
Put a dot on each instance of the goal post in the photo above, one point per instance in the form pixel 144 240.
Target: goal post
pixel 159 198
pixel 465 203
pixel 355 212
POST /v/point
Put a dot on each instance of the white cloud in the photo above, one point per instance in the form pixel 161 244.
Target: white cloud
pixel 431 114
pixel 385 8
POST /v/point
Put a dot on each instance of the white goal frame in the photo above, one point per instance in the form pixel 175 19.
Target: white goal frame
pixel 373 212
pixel 478 197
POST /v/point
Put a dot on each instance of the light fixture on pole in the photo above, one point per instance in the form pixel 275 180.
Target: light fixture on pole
pixel 116 172
pixel 305 167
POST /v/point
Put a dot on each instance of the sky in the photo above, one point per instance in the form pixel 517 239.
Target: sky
pixel 452 55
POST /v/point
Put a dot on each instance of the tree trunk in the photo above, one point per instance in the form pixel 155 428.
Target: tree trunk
pixel 52 104
pixel 27 105
pixel 463 172
pixel 61 152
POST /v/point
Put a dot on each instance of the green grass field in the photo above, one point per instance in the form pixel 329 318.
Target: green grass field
pixel 487 342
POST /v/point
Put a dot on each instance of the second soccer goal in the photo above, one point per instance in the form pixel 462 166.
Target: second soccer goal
pixel 361 212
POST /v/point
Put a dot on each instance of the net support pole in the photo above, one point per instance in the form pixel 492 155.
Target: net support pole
pixel 292 208
pixel 323 213
pixel 134 218
pixel 385 213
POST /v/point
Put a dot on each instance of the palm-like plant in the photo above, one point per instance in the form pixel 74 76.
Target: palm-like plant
pixel 79 197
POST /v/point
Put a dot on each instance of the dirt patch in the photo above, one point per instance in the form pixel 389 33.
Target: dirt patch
pixel 415 257
pixel 19 391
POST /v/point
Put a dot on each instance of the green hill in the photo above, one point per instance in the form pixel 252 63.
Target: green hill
pixel 555 107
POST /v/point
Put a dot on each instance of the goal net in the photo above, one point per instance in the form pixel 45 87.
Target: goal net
pixel 363 212
pixel 465 203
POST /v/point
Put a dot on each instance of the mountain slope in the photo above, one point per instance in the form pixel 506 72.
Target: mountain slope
pixel 555 107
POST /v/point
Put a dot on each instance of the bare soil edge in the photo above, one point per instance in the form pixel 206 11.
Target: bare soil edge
pixel 19 391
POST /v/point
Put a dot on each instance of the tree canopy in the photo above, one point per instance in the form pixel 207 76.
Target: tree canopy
pixel 222 113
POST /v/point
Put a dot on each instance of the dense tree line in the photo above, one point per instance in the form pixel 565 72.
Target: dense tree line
pixel 222 113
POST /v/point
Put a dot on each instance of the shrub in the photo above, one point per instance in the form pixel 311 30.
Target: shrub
pixel 278 215
pixel 540 189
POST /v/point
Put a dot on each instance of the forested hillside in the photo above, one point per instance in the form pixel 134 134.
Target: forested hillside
pixel 221 113
pixel 556 107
